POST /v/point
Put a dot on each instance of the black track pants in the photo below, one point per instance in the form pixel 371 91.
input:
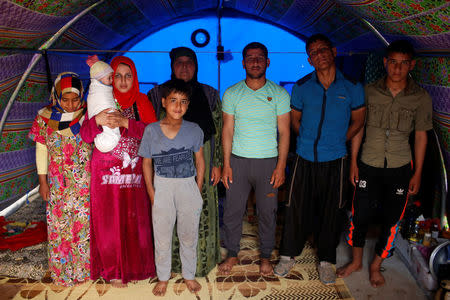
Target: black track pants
pixel 381 193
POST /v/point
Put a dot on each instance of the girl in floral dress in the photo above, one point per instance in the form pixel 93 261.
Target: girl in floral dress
pixel 63 166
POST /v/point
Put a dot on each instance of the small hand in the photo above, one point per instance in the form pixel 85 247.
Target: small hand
pixel 414 184
pixel 227 175
pixel 200 186
pixel 278 177
pixel 215 175
pixel 354 174
pixel 103 118
pixel 117 119
pixel 44 191
pixel 151 194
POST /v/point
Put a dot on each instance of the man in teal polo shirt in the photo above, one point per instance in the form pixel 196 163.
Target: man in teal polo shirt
pixel 254 110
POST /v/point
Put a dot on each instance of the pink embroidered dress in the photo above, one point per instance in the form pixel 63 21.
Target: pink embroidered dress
pixel 121 231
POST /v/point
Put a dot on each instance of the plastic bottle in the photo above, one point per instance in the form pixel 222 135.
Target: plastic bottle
pixel 435 231
pixel 415 234
pixel 411 214
pixel 427 239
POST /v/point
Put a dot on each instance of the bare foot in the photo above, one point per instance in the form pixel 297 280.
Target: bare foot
pixel 160 288
pixel 227 265
pixel 193 285
pixel 265 267
pixel 118 283
pixel 375 276
pixel 348 269
pixel 80 282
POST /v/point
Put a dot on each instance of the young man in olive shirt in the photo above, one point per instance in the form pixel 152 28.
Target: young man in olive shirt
pixel 385 176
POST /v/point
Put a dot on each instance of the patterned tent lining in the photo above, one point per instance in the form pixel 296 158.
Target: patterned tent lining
pixel 121 19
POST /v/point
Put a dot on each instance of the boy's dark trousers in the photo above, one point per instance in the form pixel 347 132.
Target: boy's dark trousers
pixel 381 193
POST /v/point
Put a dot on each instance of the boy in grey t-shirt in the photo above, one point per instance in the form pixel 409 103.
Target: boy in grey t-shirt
pixel 175 192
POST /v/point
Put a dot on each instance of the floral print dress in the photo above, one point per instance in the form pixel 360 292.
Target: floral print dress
pixel 68 205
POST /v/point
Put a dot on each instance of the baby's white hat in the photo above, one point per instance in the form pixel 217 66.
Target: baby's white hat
pixel 100 69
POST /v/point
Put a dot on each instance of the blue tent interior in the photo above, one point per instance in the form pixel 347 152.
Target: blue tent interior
pixel 28 28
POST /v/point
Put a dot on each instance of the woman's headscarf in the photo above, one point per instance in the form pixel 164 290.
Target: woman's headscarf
pixel 65 123
pixel 125 100
pixel 198 110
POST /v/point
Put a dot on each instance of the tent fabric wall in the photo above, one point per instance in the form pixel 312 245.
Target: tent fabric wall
pixel 433 74
pixel 120 24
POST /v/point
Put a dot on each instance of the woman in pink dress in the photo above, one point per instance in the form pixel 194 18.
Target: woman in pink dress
pixel 121 231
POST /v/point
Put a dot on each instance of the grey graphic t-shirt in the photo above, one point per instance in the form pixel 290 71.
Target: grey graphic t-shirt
pixel 172 158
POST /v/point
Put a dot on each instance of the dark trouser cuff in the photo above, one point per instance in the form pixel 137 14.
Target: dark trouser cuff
pixel 288 253
pixel 232 253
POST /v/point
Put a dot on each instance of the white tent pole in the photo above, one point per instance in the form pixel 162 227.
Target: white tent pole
pixel 375 31
pixel 37 57
pixel 30 196
pixel 370 27
pixel 444 182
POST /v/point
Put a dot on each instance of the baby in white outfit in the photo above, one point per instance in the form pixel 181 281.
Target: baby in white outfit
pixel 100 98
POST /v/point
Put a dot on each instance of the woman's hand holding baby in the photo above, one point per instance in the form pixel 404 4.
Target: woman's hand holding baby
pixel 118 120
pixel 102 118
pixel 111 119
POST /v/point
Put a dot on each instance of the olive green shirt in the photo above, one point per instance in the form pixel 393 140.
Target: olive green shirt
pixel 390 121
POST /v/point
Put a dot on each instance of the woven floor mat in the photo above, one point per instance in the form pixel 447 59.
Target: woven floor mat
pixel 244 282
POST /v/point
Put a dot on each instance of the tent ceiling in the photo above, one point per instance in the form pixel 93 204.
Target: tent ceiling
pixel 121 23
